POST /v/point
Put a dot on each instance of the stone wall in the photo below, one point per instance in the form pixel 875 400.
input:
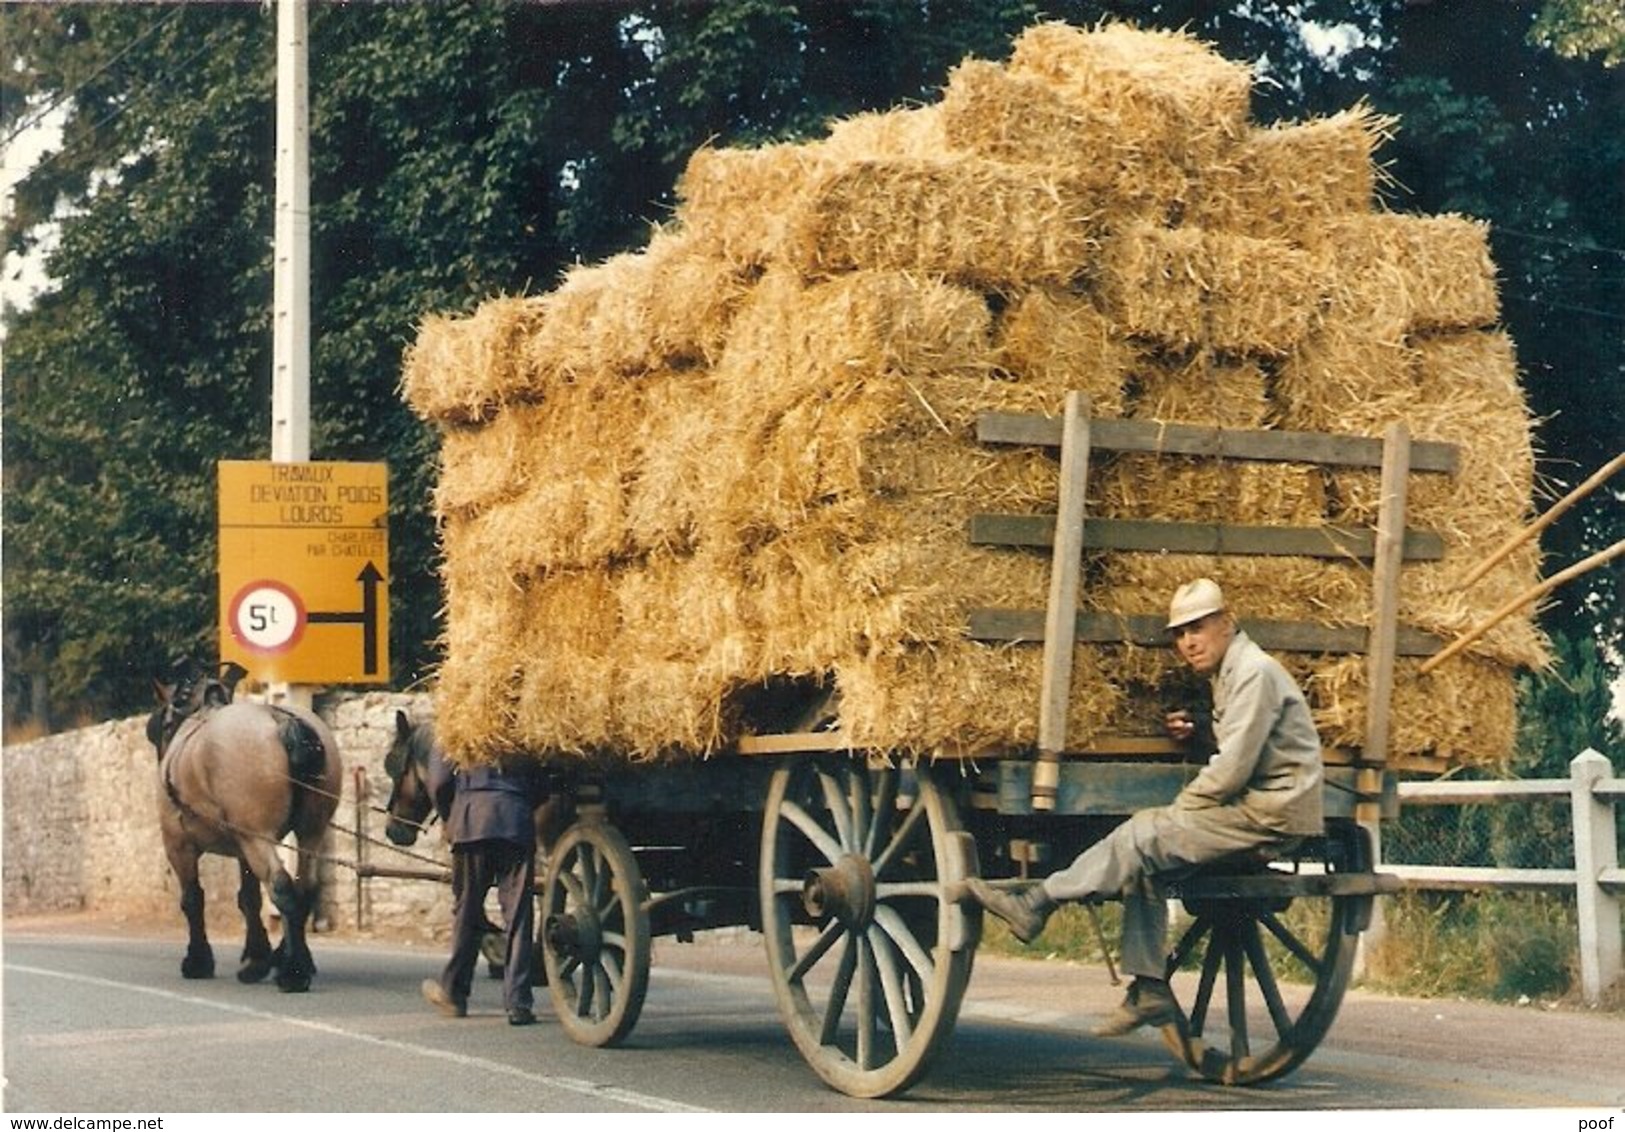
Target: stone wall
pixel 81 830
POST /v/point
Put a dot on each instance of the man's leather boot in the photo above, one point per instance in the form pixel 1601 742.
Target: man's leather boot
pixel 1149 1003
pixel 1026 909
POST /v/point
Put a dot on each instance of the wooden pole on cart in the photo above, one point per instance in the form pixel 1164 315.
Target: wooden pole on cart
pixel 1602 557
pixel 1061 617
pixel 1598 477
pixel 1382 649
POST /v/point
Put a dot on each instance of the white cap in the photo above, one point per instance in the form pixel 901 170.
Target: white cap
pixel 1194 600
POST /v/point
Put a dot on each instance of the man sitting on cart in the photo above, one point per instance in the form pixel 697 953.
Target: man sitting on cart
pixel 1260 791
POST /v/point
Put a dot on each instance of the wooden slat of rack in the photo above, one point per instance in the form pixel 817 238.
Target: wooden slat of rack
pixel 1201 538
pixel 1143 629
pixel 1201 440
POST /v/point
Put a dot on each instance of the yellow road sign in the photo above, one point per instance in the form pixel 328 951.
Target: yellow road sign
pixel 304 555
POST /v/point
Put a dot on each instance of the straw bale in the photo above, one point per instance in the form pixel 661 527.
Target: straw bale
pixel 735 203
pixel 1284 181
pixel 464 369
pixel 914 132
pixel 675 441
pixel 1396 272
pixel 791 341
pixel 1022 119
pixel 669 305
pixel 477 684
pixel 1186 287
pixel 485 464
pixel 1151 82
pixel 1283 588
pixel 961 696
pixel 976 221
pixel 1060 339
pixel 1464 711
pixel 572 512
pixel 565 634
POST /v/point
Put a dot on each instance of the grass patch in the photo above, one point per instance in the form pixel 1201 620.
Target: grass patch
pixel 1495 945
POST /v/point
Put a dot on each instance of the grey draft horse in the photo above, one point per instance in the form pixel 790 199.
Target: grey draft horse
pixel 234 779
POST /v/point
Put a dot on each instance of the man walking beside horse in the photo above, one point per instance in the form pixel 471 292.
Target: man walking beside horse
pixel 489 817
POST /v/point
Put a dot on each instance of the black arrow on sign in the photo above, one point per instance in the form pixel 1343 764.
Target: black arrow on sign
pixel 367 618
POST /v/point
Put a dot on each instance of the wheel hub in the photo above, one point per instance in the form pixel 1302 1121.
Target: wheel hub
pixel 845 890
pixel 574 937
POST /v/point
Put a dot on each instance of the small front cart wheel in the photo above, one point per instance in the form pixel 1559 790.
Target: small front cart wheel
pixel 869 949
pixel 1280 966
pixel 595 933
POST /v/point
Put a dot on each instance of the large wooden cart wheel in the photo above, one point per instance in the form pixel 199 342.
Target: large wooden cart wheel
pixel 595 933
pixel 1261 978
pixel 869 950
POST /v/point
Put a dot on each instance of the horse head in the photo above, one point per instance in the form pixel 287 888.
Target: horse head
pixel 407 765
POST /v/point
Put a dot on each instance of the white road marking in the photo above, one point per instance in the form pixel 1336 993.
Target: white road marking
pixel 564 1084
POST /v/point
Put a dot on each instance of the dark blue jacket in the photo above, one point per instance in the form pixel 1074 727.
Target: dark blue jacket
pixel 487 803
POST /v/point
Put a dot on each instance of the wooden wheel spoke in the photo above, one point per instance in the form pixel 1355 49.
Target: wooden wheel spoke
pixel 839 804
pixel 885 803
pixel 1265 978
pixel 1188 943
pixel 814 832
pixel 895 927
pixel 1235 988
pixel 1292 943
pixel 605 988
pixel 891 985
pixel 574 889
pixel 835 1005
pixel 906 831
pixel 866 1004
pixel 584 1000
pixel 1204 987
pixel 820 947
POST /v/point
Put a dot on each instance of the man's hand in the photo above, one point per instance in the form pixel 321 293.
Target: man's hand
pixel 1181 725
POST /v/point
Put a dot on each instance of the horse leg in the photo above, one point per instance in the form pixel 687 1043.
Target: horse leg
pixel 257 958
pixel 199 960
pixel 295 967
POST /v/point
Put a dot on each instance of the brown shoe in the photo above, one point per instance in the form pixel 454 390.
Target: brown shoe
pixel 1025 909
pixel 438 997
pixel 1149 1003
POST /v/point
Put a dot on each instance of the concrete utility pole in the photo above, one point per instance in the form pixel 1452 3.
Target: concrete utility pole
pixel 290 377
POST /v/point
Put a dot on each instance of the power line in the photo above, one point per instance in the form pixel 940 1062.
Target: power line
pixel 1611 316
pixel 30 123
pixel 1571 244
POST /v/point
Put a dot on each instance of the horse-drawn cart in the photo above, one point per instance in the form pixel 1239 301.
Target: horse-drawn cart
pixel 851 863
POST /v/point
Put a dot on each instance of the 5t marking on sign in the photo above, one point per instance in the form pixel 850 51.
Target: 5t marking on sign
pixel 267 616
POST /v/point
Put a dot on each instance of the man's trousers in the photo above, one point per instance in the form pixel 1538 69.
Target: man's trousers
pixel 1153 843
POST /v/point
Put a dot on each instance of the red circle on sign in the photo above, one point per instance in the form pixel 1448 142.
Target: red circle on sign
pixel 267 617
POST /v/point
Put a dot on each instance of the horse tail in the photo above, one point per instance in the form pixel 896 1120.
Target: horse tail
pixel 307 754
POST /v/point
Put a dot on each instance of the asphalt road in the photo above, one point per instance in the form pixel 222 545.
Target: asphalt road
pixel 99 1020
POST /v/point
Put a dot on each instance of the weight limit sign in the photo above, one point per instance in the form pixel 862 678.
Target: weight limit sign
pixel 304 554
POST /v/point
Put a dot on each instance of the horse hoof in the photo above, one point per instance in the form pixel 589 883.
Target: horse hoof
pixel 197 967
pixel 254 972
pixel 293 984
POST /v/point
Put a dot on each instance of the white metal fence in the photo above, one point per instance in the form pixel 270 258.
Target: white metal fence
pixel 1592 791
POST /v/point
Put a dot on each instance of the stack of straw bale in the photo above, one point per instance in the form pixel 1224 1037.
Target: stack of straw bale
pixel 744 457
